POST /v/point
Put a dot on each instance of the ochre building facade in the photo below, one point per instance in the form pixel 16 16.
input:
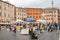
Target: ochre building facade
pixel 34 13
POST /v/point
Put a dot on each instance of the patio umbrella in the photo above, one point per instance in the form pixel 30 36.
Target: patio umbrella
pixel 19 20
pixel 30 20
pixel 12 22
pixel 42 21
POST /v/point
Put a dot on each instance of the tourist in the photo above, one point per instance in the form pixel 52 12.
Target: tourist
pixel 14 28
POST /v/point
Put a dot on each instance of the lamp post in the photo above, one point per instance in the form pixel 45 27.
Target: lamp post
pixel 52 12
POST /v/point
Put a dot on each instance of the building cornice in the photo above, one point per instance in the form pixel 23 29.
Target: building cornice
pixel 7 2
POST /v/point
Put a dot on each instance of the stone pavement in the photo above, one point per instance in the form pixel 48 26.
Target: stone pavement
pixel 49 36
pixel 6 35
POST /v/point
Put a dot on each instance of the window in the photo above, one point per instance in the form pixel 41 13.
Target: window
pixel 46 18
pixel 33 16
pixel 29 13
pixel 18 10
pixel 36 16
pixel 27 16
pixel 48 11
pixel 51 18
pixel 54 11
pixel 5 14
pixel 24 14
pixel 0 13
pixel 54 15
pixel 0 4
pixel 36 13
pixel 4 6
pixel 18 17
pixel 18 13
pixel 8 6
pixel 8 15
pixel 0 7
pixel 30 16
pixel 39 16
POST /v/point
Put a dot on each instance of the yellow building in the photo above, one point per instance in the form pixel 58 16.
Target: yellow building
pixel 6 11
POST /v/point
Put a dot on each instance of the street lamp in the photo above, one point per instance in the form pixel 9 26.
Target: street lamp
pixel 52 12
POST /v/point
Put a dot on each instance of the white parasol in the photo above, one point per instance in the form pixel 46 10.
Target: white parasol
pixel 42 21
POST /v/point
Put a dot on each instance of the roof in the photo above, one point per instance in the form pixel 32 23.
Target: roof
pixel 7 2
pixel 51 8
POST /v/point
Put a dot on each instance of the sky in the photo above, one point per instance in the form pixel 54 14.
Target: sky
pixel 34 3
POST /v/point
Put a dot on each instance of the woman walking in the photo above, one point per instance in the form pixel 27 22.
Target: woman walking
pixel 14 28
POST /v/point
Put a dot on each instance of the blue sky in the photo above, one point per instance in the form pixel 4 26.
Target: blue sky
pixel 34 3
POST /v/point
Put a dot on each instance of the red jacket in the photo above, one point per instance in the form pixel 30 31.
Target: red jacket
pixel 14 26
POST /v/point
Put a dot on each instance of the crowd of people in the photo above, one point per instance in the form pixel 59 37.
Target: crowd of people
pixel 33 29
pixel 49 27
pixel 9 28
